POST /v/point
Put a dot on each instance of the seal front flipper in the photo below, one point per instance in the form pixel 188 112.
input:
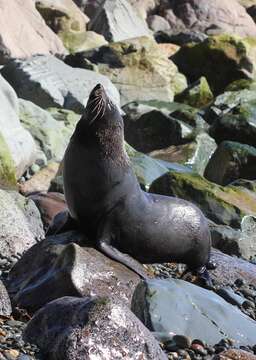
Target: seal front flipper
pixel 125 259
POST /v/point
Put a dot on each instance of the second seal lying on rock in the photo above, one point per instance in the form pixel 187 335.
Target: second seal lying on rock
pixel 105 198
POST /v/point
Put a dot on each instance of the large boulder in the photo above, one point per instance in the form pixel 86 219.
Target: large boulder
pixel 116 20
pixel 223 205
pixel 24 32
pixel 182 308
pixel 69 22
pixel 49 82
pixel 237 161
pixel 208 16
pixel 51 135
pixel 71 328
pixel 139 69
pixel 58 266
pixel 233 56
pixel 20 223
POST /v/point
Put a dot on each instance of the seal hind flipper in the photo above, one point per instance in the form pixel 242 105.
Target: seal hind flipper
pixel 61 222
pixel 123 258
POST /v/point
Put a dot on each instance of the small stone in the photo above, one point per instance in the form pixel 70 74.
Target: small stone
pixel 183 342
pixel 199 349
pixel 11 354
pixel 199 342
pixel 34 169
pixel 239 282
pixel 248 304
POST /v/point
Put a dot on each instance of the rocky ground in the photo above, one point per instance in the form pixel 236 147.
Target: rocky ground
pixel 183 74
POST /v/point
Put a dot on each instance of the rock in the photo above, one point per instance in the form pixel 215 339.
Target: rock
pixel 144 7
pixel 234 354
pixel 51 136
pixel 49 82
pixel 5 302
pixel 49 205
pixel 209 17
pixel 157 23
pixel 247 240
pixel 181 38
pixel 76 328
pixel 34 36
pixel 252 12
pixel 162 305
pixel 20 224
pixel 41 181
pixel 153 130
pixel 237 161
pixel 197 94
pixel 231 268
pixel 234 57
pixel 223 205
pixel 169 49
pixel 115 20
pixel 225 239
pixel 58 266
pixel 194 154
pixel 230 296
pixel 138 61
pixel 18 149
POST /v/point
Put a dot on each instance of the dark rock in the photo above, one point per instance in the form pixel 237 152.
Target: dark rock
pixel 237 161
pixel 5 302
pixel 225 238
pixel 49 82
pixel 180 38
pixel 230 296
pixel 162 305
pixel 71 328
pixel 58 267
pixel 252 12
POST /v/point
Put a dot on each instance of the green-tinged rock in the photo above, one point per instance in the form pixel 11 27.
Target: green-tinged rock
pixel 241 85
pixel 223 205
pixel 237 161
pixel 194 154
pixel 67 117
pixel 139 69
pixel 82 41
pixel 7 167
pixel 221 59
pixel 52 136
pixel 197 94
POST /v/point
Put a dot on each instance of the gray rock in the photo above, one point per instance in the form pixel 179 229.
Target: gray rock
pixel 225 238
pixel 20 224
pixel 116 20
pixel 5 302
pixel 52 136
pixel 247 241
pixel 20 143
pixel 49 82
pixel 158 23
pixel 71 328
pixel 58 266
pixel 238 161
pixel 183 308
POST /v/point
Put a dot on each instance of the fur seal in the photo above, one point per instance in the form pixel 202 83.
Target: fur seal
pixel 105 199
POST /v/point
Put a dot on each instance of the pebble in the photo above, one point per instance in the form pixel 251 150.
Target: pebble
pixel 199 349
pixel 183 342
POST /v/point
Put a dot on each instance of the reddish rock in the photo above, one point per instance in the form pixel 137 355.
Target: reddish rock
pixel 234 354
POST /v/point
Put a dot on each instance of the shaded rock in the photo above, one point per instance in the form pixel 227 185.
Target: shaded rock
pixel 153 130
pixel 197 94
pixel 223 205
pixel 20 224
pixel 49 82
pixel 234 354
pixel 252 12
pixel 230 296
pixel 76 328
pixel 138 61
pixel 210 17
pixel 225 238
pixel 67 117
pixel 34 36
pixel 162 305
pixel 180 38
pixel 194 154
pixel 237 161
pixel 49 204
pixel 41 181
pixel 17 145
pixel 58 267
pixel 157 23
pixel 234 57
pixel 231 268
pixel 51 136
pixel 5 302
pixel 115 20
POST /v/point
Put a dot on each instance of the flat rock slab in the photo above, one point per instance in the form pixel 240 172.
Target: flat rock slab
pixel 229 269
pixel 58 266
pixel 73 328
pixel 186 309
pixel 49 82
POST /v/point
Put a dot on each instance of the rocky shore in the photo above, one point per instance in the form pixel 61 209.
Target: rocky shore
pixel 183 75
